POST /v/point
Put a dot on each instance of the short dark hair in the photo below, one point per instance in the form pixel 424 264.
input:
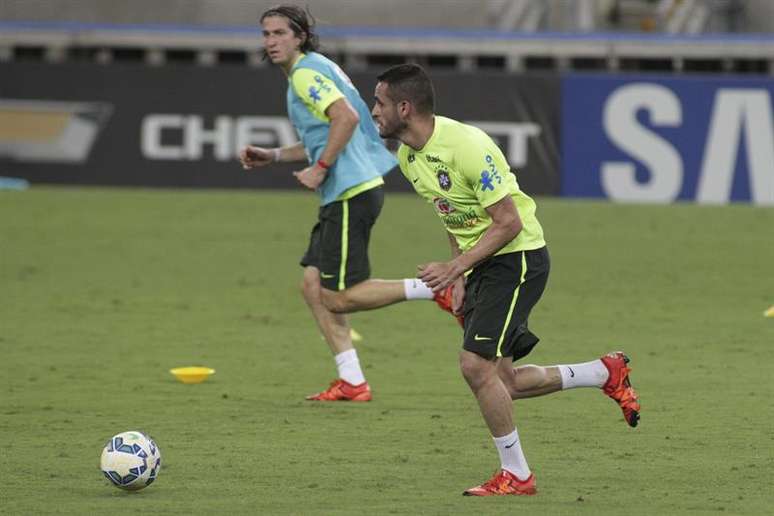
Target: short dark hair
pixel 410 82
pixel 301 22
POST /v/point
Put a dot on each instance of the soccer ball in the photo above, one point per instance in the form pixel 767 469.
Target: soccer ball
pixel 131 460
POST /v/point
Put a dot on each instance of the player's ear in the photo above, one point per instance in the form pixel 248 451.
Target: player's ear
pixel 404 108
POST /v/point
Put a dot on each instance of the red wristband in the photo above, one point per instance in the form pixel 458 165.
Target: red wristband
pixel 323 164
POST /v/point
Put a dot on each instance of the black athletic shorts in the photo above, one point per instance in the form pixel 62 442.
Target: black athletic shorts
pixel 338 245
pixel 499 295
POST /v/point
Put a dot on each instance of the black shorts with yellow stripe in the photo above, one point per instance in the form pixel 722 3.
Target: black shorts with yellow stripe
pixel 499 296
pixel 338 245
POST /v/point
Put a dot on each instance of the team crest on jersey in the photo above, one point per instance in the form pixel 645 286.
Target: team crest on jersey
pixel 411 158
pixel 444 181
pixel 443 206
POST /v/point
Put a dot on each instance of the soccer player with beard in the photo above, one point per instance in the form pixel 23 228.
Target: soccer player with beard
pixel 498 271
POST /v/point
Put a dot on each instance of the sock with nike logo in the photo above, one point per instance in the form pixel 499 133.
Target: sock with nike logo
pixel 511 455
pixel 587 374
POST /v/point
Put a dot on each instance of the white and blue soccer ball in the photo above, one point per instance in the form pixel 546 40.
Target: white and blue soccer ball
pixel 131 460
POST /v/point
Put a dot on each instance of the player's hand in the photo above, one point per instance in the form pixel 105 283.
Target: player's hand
pixel 458 295
pixel 439 275
pixel 252 157
pixel 311 177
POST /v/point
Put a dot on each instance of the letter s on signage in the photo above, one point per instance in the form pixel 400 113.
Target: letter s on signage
pixel 660 158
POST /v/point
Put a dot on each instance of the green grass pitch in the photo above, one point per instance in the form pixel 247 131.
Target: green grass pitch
pixel 102 291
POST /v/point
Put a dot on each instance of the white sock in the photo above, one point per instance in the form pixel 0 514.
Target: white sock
pixel 511 455
pixel 587 374
pixel 349 367
pixel 415 288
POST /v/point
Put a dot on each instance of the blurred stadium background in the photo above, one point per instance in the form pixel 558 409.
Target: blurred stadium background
pixel 102 290
pixel 639 100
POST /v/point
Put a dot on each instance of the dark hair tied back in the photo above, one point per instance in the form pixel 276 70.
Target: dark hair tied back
pixel 301 23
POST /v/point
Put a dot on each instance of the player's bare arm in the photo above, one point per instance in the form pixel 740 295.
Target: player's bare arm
pixel 344 120
pixel 506 224
pixel 458 287
pixel 253 157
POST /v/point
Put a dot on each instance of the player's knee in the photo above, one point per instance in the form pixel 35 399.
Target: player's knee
pixel 310 285
pixel 475 369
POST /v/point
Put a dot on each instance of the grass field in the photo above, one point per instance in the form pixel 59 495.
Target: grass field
pixel 102 291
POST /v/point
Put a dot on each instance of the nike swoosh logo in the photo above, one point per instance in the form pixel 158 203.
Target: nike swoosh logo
pixel 415 180
pixel 477 337
pixel 327 276
pixel 572 373
pixel 510 445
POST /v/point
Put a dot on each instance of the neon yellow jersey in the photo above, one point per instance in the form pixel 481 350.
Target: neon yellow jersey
pixel 461 171
pixel 315 90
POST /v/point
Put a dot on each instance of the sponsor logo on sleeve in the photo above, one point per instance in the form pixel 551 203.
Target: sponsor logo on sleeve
pixel 491 176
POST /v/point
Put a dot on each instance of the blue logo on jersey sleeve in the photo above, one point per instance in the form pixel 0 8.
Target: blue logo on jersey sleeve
pixel 488 177
pixel 486 181
pixel 323 85
pixel 314 94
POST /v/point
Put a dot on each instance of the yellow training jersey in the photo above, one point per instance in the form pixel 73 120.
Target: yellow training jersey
pixel 461 171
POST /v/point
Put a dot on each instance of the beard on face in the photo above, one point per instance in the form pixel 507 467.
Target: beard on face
pixel 392 130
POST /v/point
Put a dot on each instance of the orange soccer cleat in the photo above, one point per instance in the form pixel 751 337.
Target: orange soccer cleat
pixel 444 300
pixel 504 483
pixel 620 388
pixel 341 390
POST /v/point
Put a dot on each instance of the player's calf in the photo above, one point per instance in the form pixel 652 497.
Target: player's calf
pixel 338 302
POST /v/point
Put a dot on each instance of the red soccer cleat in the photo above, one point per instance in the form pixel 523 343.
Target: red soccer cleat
pixel 444 300
pixel 620 388
pixel 343 391
pixel 504 483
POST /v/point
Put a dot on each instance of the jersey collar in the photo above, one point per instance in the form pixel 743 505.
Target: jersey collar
pixel 295 63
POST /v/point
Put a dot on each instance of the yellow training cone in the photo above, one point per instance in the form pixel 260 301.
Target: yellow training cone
pixel 192 374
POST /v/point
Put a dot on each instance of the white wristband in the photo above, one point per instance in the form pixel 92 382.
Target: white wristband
pixel 276 151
